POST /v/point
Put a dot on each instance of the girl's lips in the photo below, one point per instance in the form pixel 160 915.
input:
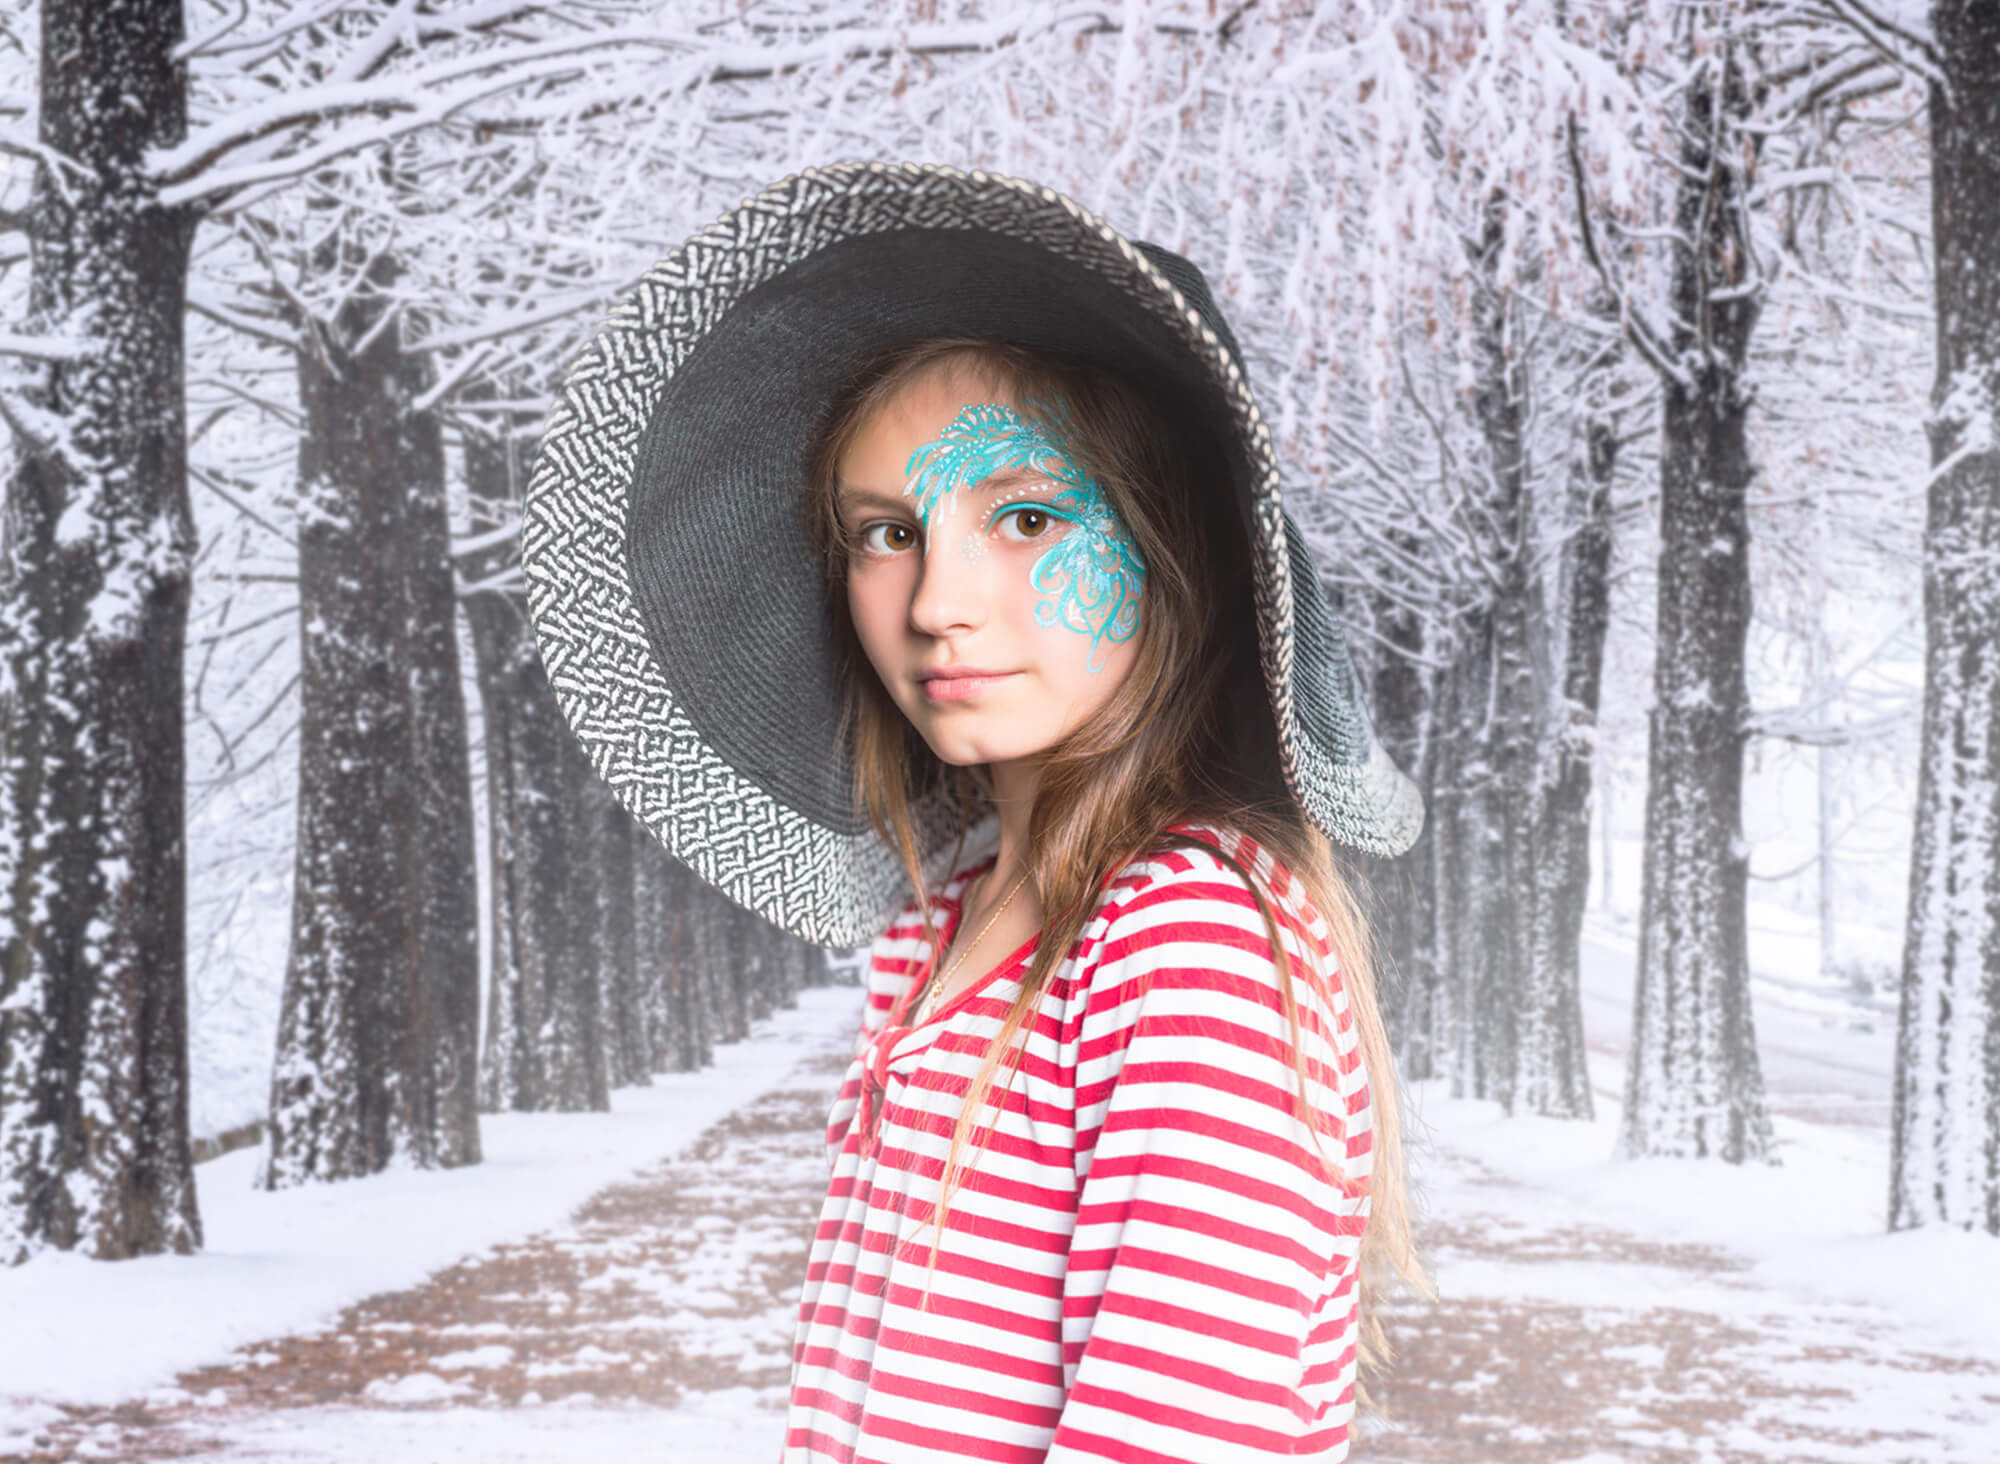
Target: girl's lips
pixel 958 686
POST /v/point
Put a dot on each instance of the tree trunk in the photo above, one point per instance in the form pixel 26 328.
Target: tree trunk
pixel 1400 902
pixel 662 891
pixel 376 1060
pixel 811 961
pixel 712 962
pixel 691 990
pixel 571 1036
pixel 94 583
pixel 1693 1086
pixel 444 882
pixel 1554 1078
pixel 1504 796
pixel 1482 966
pixel 530 755
pixel 736 972
pixel 1945 1164
pixel 629 1060
pixel 792 972
pixel 1463 873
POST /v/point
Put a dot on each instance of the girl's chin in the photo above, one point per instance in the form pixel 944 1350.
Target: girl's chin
pixel 970 752
pixel 968 757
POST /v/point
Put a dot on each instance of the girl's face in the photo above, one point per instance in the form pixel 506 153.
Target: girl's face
pixel 993 588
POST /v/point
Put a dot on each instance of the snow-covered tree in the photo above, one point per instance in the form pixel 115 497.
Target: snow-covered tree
pixel 94 582
pixel 377 1041
pixel 1694 1086
pixel 1552 1074
pixel 528 748
pixel 1945 1165
pixel 330 184
pixel 1469 571
pixel 669 977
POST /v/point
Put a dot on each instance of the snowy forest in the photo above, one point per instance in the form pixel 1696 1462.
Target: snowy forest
pixel 1639 361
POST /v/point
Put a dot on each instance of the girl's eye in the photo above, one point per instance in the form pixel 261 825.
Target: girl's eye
pixel 887 538
pixel 1026 522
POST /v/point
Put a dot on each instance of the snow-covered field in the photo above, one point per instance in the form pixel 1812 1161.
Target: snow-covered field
pixel 1804 1257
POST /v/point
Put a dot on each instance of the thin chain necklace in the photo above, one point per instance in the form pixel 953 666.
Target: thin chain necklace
pixel 937 984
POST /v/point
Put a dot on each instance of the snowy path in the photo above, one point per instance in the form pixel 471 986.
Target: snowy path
pixel 1559 1338
pixel 655 1324
pixel 1598 1312
pixel 1591 1312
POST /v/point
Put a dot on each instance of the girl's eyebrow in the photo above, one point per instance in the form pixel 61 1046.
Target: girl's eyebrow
pixel 870 498
pixel 999 478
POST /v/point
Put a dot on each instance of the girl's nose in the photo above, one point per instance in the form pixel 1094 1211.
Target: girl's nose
pixel 950 592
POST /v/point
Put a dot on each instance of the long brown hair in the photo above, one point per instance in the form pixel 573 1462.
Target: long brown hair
pixel 1172 745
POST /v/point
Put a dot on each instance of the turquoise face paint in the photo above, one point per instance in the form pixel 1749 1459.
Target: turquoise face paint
pixel 1092 576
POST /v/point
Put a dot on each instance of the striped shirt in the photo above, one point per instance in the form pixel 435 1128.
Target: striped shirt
pixel 1150 1263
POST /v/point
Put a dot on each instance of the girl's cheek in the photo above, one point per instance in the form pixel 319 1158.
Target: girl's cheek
pixel 868 593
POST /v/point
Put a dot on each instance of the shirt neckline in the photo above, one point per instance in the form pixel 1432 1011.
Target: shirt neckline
pixel 954 912
pixel 953 907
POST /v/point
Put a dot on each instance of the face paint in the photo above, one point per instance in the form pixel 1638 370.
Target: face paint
pixel 1092 575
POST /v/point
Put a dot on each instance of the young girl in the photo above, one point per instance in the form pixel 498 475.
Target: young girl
pixel 1115 1168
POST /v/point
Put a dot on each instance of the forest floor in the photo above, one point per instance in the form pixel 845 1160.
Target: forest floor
pixel 1578 1321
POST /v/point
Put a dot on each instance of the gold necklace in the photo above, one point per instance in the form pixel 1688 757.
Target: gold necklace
pixel 936 983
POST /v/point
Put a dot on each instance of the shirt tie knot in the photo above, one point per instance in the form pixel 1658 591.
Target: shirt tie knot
pixel 874 1086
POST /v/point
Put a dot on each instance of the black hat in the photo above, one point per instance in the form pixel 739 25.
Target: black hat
pixel 676 600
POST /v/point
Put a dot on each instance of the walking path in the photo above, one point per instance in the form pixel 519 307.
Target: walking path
pixel 656 1324
pixel 1559 1340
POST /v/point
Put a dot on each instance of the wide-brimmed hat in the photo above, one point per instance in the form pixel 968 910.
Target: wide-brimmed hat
pixel 679 607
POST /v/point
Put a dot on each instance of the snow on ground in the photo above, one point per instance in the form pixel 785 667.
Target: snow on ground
pixel 715 1428
pixel 1591 1310
pixel 83 1331
pixel 1689 1310
pixel 1815 1222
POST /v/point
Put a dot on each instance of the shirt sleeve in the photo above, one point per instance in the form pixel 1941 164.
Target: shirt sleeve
pixel 1211 1240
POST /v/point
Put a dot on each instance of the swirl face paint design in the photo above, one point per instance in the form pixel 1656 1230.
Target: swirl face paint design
pixel 1092 577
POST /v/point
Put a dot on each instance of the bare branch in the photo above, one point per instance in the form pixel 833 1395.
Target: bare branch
pixel 1896 44
pixel 55 164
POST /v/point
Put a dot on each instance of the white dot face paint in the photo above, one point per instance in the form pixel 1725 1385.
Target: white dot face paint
pixel 1092 577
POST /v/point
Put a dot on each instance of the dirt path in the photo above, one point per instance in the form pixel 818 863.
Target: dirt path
pixel 657 1325
pixel 679 1283
pixel 1709 1369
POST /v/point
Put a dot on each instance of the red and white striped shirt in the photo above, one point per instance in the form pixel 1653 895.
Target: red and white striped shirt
pixel 1150 1263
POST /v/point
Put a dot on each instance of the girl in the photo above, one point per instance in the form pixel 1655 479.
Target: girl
pixel 1115 1168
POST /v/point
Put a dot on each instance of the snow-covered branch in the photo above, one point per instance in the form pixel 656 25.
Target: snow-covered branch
pixel 1644 335
pixel 479 543
pixel 507 581
pixel 394 105
pixel 42 348
pixel 1807 726
pixel 204 302
pixel 57 167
